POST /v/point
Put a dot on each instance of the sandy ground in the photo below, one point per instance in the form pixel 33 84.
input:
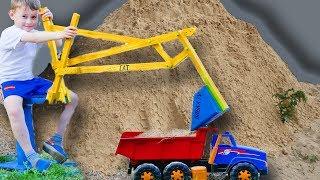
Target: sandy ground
pixel 246 70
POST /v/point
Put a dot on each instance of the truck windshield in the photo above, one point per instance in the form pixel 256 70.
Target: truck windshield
pixel 225 141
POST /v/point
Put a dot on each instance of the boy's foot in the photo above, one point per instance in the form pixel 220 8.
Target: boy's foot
pixel 36 162
pixel 56 151
pixel 42 165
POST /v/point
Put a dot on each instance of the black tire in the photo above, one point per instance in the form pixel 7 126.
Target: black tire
pixel 147 171
pixel 242 171
pixel 176 168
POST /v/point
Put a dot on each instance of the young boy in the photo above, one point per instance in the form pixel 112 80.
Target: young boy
pixel 18 48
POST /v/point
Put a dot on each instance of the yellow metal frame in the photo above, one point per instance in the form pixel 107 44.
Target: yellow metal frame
pixel 66 65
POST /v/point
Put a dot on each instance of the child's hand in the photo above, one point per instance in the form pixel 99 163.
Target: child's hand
pixel 69 32
pixel 46 13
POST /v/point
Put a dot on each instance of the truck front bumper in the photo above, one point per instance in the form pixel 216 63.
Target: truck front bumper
pixel 264 171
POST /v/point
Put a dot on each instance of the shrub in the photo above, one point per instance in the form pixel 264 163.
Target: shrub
pixel 288 101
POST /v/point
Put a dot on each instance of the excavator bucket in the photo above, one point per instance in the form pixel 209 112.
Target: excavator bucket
pixel 205 109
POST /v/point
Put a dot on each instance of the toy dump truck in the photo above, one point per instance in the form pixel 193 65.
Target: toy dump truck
pixel 172 157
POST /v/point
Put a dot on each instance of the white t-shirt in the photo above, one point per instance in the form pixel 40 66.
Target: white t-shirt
pixel 16 57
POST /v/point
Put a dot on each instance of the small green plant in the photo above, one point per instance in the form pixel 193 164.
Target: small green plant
pixel 288 101
pixel 313 158
pixel 310 158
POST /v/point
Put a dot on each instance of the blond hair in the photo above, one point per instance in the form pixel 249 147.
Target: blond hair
pixel 32 4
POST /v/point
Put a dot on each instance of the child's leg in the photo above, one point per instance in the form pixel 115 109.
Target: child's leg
pixel 14 108
pixel 67 114
pixel 54 146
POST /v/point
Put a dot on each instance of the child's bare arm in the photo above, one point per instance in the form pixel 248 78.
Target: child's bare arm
pixel 42 36
pixel 59 43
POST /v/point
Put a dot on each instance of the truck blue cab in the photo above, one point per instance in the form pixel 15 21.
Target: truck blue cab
pixel 240 162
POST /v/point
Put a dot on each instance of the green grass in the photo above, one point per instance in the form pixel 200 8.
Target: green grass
pixel 56 171
pixel 6 158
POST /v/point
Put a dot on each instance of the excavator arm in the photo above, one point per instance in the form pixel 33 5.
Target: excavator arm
pixel 67 66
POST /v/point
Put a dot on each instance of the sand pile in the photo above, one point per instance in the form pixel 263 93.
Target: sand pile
pixel 246 70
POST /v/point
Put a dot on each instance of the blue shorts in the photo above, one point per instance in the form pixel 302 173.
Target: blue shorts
pixel 26 89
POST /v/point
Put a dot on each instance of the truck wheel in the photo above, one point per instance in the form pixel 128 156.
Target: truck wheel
pixel 147 171
pixel 244 171
pixel 177 171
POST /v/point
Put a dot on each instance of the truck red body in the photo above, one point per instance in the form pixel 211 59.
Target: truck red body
pixel 162 148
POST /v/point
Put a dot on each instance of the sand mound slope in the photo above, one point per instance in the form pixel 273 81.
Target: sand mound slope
pixel 246 70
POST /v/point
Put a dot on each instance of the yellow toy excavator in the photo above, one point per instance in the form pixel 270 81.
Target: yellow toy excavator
pixel 66 66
